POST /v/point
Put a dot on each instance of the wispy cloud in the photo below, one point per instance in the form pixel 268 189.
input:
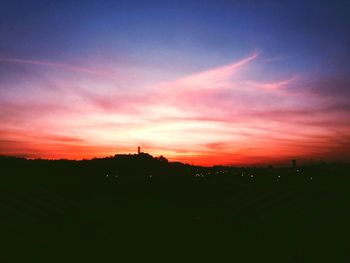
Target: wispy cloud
pixel 55 65
pixel 272 86
pixel 213 78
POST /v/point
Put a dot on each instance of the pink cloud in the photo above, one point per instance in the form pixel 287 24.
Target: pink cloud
pixel 209 79
pixel 272 85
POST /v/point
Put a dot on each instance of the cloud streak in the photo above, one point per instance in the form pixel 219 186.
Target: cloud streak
pixel 55 65
pixel 273 86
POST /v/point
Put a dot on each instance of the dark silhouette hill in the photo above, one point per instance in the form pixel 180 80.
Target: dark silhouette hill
pixel 141 207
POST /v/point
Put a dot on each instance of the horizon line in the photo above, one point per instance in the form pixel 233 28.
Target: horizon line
pixel 310 162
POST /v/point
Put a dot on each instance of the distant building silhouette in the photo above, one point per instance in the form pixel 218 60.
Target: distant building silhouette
pixel 294 163
pixel 138 150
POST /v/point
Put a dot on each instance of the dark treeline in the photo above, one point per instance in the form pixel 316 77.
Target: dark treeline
pixel 144 166
pixel 143 207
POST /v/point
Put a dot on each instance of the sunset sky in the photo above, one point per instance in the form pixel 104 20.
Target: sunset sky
pixel 203 82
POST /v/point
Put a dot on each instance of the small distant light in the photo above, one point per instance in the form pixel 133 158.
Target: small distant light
pixel 279 176
pixel 106 175
pixel 310 178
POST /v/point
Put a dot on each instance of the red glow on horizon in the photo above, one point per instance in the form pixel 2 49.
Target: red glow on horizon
pixel 223 115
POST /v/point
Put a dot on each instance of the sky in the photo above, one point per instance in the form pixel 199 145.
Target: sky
pixel 201 82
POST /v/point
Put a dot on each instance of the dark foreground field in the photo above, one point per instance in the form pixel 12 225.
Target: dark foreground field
pixel 59 211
